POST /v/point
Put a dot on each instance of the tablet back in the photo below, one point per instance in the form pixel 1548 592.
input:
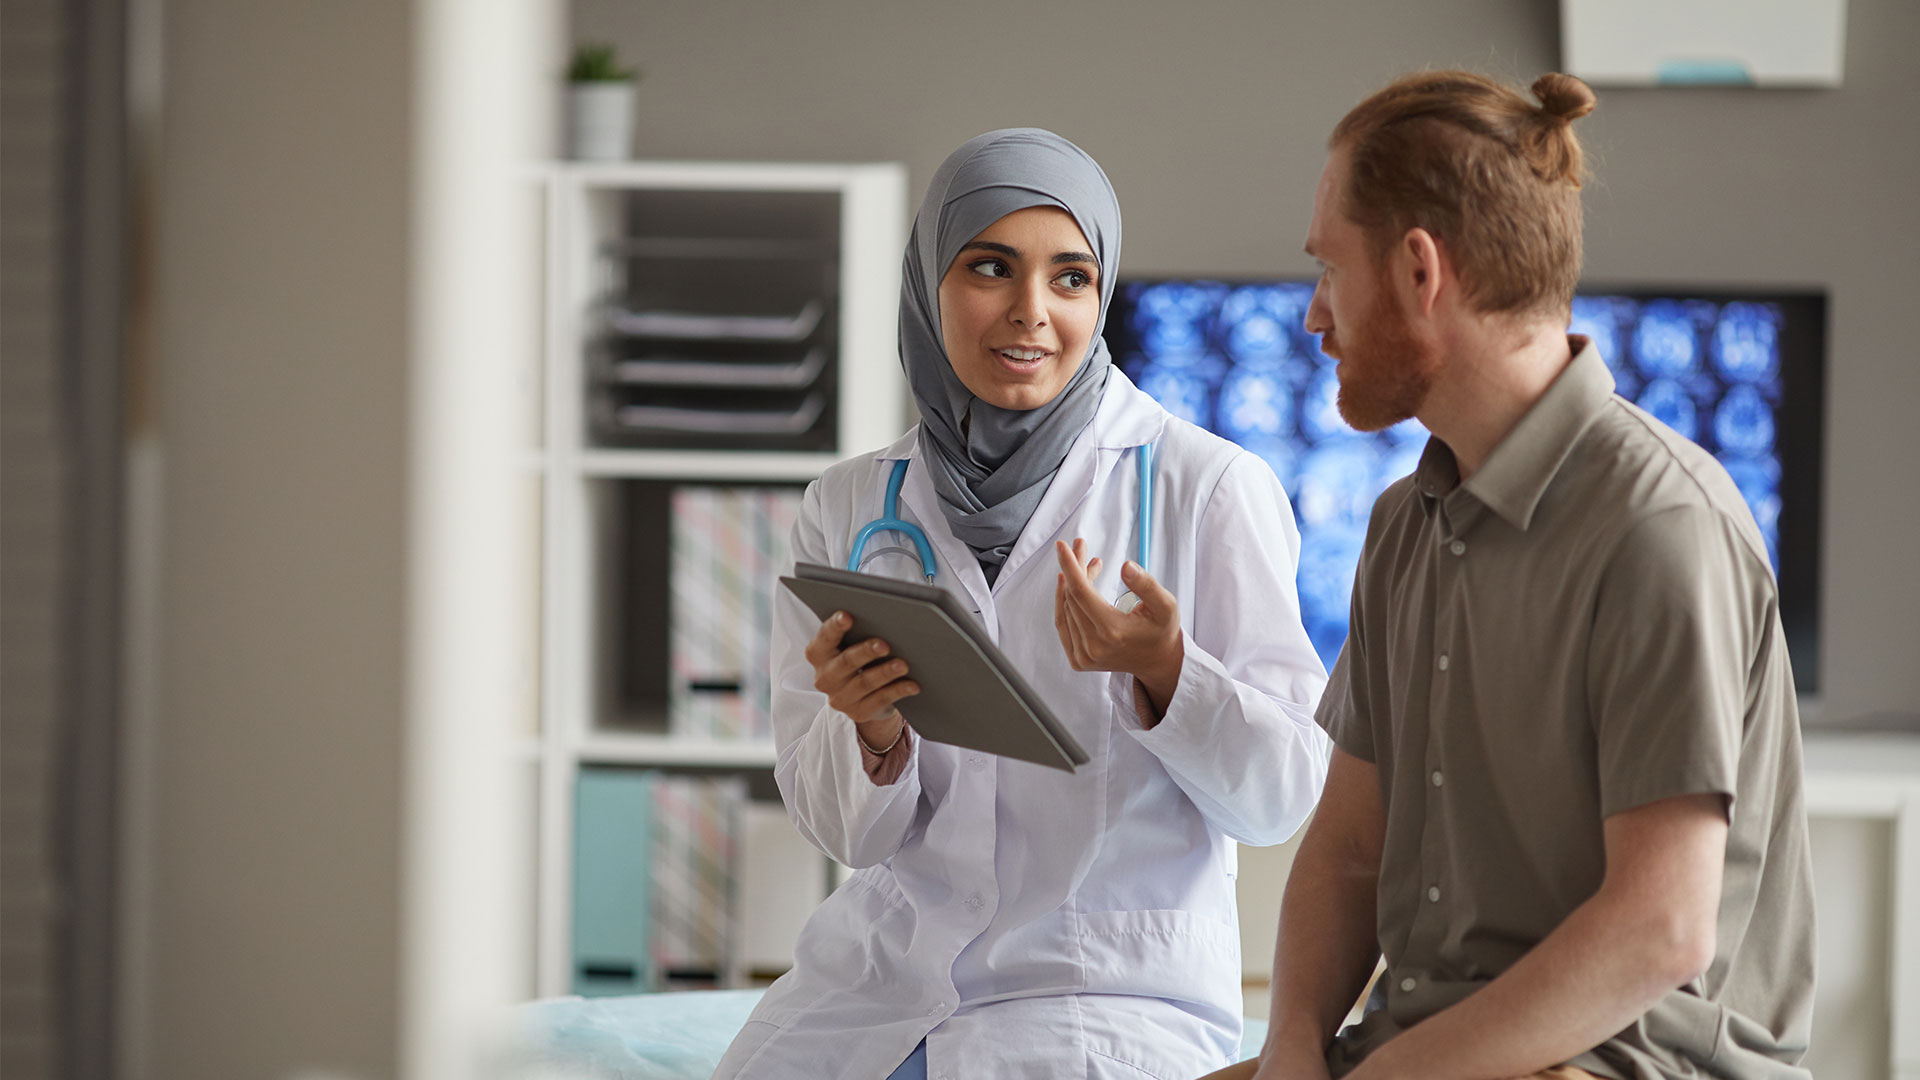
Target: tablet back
pixel 970 694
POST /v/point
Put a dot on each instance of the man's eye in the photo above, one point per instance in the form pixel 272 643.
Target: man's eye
pixel 989 268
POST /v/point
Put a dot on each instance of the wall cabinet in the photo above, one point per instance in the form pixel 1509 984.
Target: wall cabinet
pixel 709 328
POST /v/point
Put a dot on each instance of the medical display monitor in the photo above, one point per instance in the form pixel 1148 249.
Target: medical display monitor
pixel 1740 374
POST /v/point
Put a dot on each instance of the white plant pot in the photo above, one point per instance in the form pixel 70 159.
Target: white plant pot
pixel 600 121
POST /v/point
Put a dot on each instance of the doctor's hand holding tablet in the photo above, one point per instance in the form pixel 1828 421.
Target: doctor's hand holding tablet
pixel 861 682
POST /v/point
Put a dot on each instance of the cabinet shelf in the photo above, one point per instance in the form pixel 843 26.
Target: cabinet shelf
pixel 703 465
pixel 611 748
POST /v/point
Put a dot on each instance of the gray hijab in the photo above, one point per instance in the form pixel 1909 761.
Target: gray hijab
pixel 991 478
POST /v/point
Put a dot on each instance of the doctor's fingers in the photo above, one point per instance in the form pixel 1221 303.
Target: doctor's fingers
pixel 1096 646
pixel 1080 584
pixel 1148 588
pixel 877 705
pixel 825 643
pixel 1082 633
pixel 849 695
pixel 1072 559
pixel 843 664
pixel 1094 614
pixel 1062 623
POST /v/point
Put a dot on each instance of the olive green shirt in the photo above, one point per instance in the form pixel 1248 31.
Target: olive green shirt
pixel 1586 625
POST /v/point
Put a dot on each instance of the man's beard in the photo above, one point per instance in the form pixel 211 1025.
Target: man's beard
pixel 1386 373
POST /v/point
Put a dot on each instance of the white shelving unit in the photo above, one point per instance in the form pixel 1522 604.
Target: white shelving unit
pixel 585 207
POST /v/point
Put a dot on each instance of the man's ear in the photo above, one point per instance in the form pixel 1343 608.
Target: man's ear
pixel 1423 269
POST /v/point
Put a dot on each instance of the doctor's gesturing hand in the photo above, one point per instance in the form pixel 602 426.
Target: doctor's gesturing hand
pixel 859 682
pixel 1145 642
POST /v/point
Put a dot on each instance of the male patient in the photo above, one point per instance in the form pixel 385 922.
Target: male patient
pixel 1565 802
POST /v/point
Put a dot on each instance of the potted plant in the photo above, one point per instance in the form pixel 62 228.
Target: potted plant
pixel 599 104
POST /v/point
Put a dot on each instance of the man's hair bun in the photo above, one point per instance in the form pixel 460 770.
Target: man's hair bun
pixel 1563 97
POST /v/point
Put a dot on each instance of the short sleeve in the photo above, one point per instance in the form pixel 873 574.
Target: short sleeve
pixel 1677 619
pixel 1344 710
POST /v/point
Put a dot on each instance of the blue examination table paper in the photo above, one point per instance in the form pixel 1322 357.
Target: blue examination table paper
pixel 669 1036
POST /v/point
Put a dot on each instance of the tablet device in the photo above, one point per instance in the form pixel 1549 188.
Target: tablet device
pixel 970 695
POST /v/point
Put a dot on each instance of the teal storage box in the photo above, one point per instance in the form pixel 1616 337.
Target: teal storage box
pixel 612 893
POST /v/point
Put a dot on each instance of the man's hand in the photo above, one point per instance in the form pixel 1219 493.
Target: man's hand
pixel 1145 642
pixel 1277 1066
pixel 1271 1065
pixel 1649 928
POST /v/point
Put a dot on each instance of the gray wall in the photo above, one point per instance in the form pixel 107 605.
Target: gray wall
pixel 36 535
pixel 271 921
pixel 1211 118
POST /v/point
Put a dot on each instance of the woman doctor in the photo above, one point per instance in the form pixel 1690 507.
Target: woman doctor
pixel 1005 919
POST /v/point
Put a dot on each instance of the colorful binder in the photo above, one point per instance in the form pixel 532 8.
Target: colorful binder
pixel 728 543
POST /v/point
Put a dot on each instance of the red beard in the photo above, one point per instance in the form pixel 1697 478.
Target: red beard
pixel 1385 372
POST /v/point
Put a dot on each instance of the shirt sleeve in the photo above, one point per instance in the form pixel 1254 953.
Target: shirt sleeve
pixel 1344 711
pixel 1353 709
pixel 838 805
pixel 1675 630
pixel 1238 735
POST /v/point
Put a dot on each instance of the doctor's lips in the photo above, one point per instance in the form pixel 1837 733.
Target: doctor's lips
pixel 1023 358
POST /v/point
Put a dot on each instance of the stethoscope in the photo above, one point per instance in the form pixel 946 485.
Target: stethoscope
pixel 890 519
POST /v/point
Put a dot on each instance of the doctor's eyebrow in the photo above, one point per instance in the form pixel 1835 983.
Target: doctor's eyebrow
pixel 997 249
pixel 1014 252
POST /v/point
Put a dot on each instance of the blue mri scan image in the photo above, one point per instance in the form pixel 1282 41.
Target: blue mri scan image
pixel 1236 360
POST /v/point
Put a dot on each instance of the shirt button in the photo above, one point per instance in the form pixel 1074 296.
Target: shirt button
pixel 1406 986
pixel 1442 661
pixel 1433 894
pixel 1438 779
pixel 1458 547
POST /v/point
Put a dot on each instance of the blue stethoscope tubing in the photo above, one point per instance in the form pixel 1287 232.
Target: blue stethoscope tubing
pixel 890 519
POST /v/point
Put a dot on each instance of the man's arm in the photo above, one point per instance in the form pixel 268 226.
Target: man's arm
pixel 1327 945
pixel 1650 928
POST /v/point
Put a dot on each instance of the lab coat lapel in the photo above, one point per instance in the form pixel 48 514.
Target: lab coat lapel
pixel 1069 490
pixel 1126 418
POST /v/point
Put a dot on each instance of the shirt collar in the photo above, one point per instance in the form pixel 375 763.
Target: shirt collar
pixel 1516 474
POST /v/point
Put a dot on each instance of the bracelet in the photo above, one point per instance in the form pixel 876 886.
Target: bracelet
pixel 897 736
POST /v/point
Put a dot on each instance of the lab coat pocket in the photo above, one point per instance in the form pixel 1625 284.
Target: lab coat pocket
pixel 852 943
pixel 1162 953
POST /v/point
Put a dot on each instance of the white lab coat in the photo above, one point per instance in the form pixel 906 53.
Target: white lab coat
pixel 1027 922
